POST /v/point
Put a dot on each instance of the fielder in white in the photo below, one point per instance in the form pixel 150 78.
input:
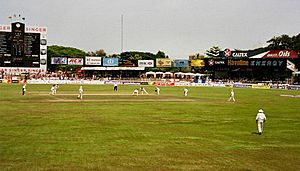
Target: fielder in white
pixel 260 120
pixel 55 88
pixel 53 91
pixel 231 96
pixel 135 92
pixel 143 90
pixel 24 89
pixel 80 93
pixel 185 91
pixel 157 90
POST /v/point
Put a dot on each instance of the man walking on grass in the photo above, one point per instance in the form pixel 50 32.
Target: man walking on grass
pixel 231 96
pixel 80 93
pixel 260 120
pixel 24 89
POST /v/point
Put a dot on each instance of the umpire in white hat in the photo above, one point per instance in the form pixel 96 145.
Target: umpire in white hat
pixel 260 120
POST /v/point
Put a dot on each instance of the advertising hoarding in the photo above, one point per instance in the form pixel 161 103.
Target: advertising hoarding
pixel 197 63
pixel 91 60
pixel 59 60
pixel 215 62
pixel 234 54
pixel 281 54
pixel 180 63
pixel 110 62
pixel 146 63
pixel 267 63
pixel 238 62
pixel 163 62
pixel 75 61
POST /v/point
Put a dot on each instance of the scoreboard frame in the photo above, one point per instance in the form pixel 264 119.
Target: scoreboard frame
pixel 23 49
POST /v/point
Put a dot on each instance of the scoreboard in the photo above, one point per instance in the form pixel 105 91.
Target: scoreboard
pixel 23 49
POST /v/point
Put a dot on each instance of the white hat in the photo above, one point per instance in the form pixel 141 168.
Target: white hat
pixel 260 111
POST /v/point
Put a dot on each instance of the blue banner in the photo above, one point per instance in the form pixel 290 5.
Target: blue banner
pixel 110 62
pixel 180 63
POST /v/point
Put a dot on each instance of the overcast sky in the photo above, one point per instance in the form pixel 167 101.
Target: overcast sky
pixel 177 27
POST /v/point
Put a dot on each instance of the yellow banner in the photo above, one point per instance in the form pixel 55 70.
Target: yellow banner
pixel 197 63
pixel 261 86
pixel 163 62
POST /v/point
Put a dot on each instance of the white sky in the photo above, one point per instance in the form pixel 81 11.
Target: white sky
pixel 177 27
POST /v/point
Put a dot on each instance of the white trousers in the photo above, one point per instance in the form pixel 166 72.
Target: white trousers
pixel 80 95
pixel 231 98
pixel 260 126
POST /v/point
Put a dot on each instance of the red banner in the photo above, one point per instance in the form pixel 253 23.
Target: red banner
pixel 281 54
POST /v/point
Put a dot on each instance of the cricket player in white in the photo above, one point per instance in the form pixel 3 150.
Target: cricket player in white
pixel 80 93
pixel 231 96
pixel 53 90
pixel 136 91
pixel 115 87
pixel 260 120
pixel 143 90
pixel 24 89
pixel 185 91
pixel 157 90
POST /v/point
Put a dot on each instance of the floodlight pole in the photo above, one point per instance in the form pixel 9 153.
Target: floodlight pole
pixel 122 39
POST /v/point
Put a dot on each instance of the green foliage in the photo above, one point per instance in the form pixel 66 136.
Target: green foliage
pixel 100 53
pixel 160 54
pixel 213 52
pixel 64 51
pixel 284 42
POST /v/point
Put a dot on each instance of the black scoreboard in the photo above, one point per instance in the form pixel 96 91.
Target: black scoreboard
pixel 18 48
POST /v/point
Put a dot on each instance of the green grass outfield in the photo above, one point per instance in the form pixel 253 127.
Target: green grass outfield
pixel 117 131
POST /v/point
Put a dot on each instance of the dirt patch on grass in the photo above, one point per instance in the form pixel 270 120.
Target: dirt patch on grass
pixel 289 95
pixel 122 100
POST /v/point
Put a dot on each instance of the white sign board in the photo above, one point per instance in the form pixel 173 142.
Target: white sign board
pixel 145 63
pixel 93 60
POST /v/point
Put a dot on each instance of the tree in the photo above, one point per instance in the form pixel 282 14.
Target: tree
pixel 160 54
pixel 283 42
pixel 100 52
pixel 213 52
pixel 296 42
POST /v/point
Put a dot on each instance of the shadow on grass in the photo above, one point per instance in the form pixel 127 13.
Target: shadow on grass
pixel 255 133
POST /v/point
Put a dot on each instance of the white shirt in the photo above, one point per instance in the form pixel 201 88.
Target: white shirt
pixel 80 90
pixel 261 117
